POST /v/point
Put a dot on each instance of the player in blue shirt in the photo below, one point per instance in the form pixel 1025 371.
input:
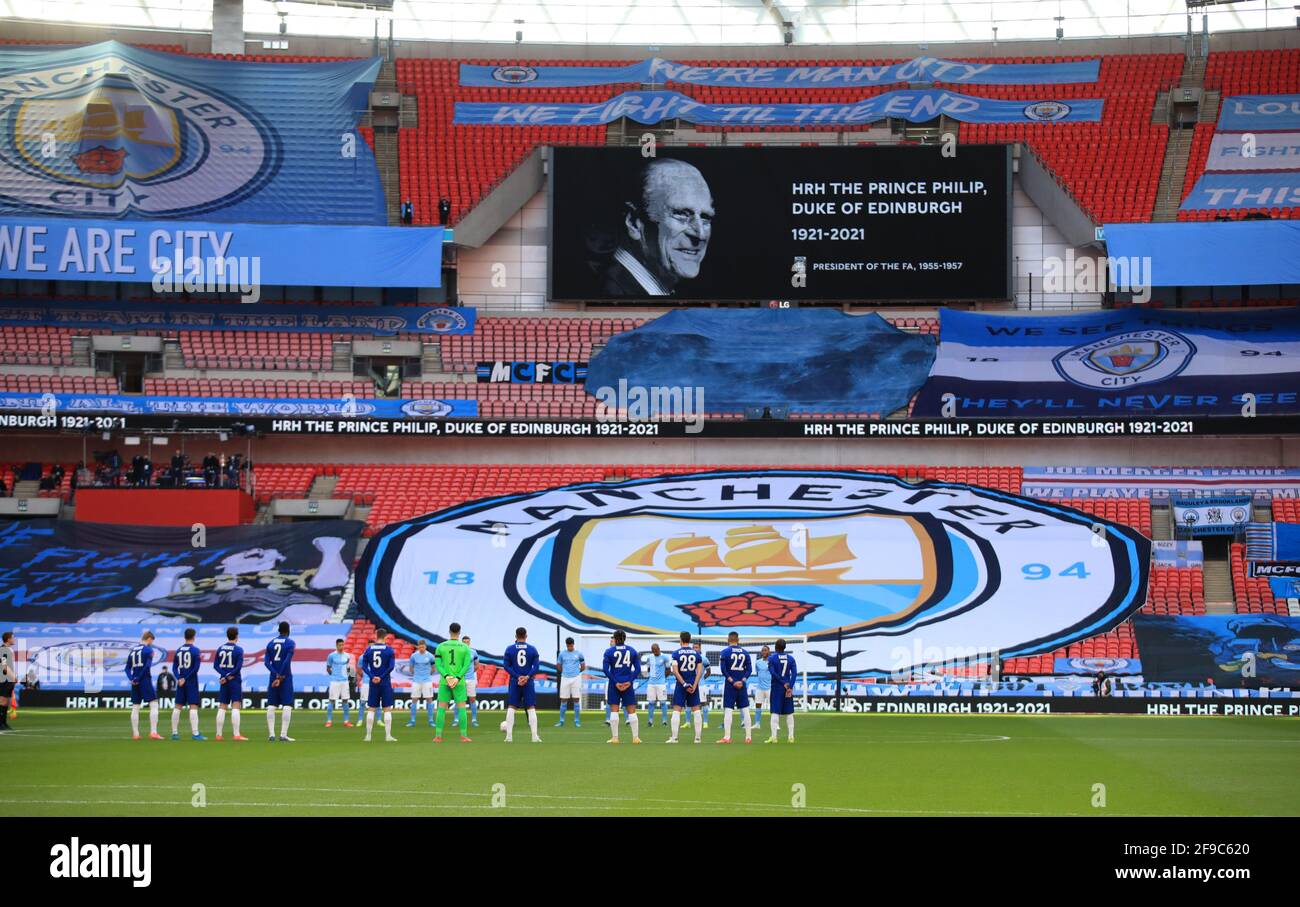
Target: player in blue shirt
pixel 572 664
pixel 784 674
pixel 139 661
pixel 737 665
pixel 656 688
pixel 185 665
pixel 337 665
pixel 376 664
pixel 688 670
pixel 622 666
pixel 762 684
pixel 421 662
pixel 279 664
pixel 521 662
pixel 704 693
pixel 229 662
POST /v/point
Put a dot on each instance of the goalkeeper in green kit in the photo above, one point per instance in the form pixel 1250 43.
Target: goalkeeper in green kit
pixel 453 660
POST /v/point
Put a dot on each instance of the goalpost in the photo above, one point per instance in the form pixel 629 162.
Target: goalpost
pixel 593 646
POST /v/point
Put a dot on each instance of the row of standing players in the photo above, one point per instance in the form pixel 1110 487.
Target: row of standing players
pixel 622 666
pixel 454 660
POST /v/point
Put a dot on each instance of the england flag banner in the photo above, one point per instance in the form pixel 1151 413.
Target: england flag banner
pixel 1131 362
pixel 905 574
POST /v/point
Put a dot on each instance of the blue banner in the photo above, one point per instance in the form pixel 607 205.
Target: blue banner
pixel 243 407
pixel 113 131
pixel 1284 586
pixel 67 570
pixel 1252 112
pixel 1213 254
pixel 1129 362
pixel 650 107
pixel 1082 665
pixel 342 319
pixel 1177 554
pixel 657 72
pixel 1231 650
pixel 531 372
pixel 803 359
pixel 1255 133
pixel 220 257
pixel 1221 515
pixel 1230 191
pixel 1273 541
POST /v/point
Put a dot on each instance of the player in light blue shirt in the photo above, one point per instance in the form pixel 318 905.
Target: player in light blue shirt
pixel 762 684
pixel 572 664
pixel 656 691
pixel 337 665
pixel 421 662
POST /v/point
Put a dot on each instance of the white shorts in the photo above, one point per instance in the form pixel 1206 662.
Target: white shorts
pixel 570 688
pixel 471 686
pixel 656 692
pixel 422 690
pixel 339 690
pixel 761 697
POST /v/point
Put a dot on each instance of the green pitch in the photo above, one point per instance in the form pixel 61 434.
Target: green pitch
pixel 83 763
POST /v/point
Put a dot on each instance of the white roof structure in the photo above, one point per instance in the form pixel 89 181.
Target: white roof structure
pixel 648 23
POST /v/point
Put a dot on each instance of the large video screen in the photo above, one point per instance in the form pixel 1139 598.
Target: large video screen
pixel 781 223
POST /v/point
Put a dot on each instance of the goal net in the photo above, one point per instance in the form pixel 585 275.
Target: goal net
pixel 593 646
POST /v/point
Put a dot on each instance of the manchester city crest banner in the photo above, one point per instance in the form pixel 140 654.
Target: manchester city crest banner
pixel 1129 362
pixel 62 570
pixel 908 574
pixel 850 75
pixel 113 131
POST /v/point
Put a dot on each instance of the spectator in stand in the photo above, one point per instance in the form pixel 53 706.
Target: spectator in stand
pixel 408 212
pixel 211 468
pixel 165 683
pixel 178 470
pixel 444 211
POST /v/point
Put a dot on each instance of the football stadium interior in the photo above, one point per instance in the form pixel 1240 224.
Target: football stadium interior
pixel 372 318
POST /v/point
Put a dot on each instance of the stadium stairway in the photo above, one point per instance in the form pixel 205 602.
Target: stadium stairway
pixel 1178 146
pixel 1219 589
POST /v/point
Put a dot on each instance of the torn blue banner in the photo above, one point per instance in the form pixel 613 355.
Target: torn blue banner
pixel 799 359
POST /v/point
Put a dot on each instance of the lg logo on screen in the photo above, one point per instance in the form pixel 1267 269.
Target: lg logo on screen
pixel 103 861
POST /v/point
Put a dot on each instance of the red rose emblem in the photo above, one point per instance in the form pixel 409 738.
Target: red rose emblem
pixel 748 609
pixel 100 160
